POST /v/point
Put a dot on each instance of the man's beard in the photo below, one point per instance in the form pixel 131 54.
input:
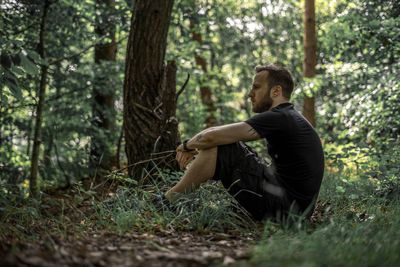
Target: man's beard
pixel 265 105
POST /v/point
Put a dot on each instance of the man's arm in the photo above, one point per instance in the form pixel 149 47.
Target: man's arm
pixel 222 135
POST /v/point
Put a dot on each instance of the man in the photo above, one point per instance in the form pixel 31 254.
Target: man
pixel 290 184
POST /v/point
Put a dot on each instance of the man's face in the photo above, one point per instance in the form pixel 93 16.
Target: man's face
pixel 260 94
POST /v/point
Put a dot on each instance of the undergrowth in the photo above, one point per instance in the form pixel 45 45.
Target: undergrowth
pixel 363 232
pixel 357 220
pixel 210 208
pixel 127 207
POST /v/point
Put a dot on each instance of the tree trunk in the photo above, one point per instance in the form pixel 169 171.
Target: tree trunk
pixel 33 181
pixel 205 90
pixel 149 109
pixel 28 137
pixel 118 153
pixel 101 154
pixel 48 148
pixel 310 56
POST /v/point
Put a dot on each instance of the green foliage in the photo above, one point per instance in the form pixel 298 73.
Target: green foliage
pixel 130 208
pixel 66 129
pixel 360 54
pixel 20 218
pixel 356 88
pixel 368 237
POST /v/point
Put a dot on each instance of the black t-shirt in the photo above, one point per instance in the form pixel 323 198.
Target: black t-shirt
pixel 295 149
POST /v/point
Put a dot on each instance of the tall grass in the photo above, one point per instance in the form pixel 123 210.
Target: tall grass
pixel 359 226
pixel 210 208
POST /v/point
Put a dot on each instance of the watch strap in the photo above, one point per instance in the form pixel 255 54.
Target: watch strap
pixel 185 148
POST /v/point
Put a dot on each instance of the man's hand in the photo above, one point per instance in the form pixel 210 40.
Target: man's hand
pixel 184 157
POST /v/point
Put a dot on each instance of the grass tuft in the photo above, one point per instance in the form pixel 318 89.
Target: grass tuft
pixel 210 208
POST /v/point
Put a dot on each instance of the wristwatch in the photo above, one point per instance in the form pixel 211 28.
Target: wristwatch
pixel 185 148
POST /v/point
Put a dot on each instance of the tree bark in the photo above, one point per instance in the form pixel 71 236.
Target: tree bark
pixel 205 90
pixel 118 153
pixel 33 181
pixel 310 56
pixel 48 148
pixel 101 154
pixel 149 121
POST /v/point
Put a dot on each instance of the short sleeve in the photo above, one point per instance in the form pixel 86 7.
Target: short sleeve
pixel 267 123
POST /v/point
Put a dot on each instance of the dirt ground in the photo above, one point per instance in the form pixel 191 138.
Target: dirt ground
pixel 159 249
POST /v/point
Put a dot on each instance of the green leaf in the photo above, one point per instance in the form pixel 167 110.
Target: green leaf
pixel 340 189
pixel 12 84
pixel 17 70
pixel 28 66
pixel 35 57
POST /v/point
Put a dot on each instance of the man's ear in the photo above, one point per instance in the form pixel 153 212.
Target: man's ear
pixel 276 90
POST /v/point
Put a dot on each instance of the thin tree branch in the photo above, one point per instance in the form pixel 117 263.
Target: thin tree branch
pixel 143 161
pixel 82 51
pixel 183 87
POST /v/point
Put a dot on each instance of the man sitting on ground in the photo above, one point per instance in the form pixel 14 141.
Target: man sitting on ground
pixel 290 184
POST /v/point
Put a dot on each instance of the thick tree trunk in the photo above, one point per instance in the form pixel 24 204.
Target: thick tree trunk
pixel 205 91
pixel 310 56
pixel 101 154
pixel 33 181
pixel 149 108
pixel 169 132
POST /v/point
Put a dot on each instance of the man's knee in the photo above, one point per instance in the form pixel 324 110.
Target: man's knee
pixel 208 154
pixel 212 150
pixel 207 158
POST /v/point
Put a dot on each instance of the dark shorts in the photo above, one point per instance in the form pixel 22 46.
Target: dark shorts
pixel 251 181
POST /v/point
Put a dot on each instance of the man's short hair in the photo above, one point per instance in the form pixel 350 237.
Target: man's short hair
pixel 278 75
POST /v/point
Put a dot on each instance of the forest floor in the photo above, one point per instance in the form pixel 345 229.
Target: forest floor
pixel 66 234
pixel 355 224
pixel 131 249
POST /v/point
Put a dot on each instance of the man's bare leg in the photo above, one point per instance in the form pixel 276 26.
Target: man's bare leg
pixel 201 170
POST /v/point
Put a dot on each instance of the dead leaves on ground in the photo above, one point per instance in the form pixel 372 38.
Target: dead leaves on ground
pixel 163 248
